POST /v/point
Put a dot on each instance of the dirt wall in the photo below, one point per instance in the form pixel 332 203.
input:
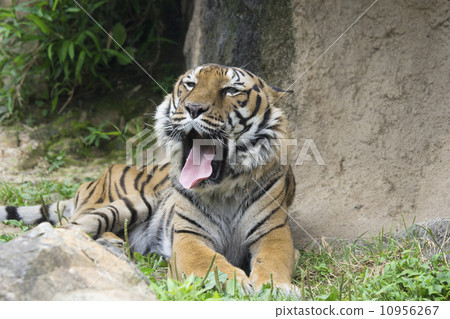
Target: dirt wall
pixel 376 103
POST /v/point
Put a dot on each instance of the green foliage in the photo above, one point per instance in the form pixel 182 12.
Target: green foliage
pixel 412 279
pixel 55 159
pixel 50 48
pixel 97 134
pixel 23 228
pixel 383 269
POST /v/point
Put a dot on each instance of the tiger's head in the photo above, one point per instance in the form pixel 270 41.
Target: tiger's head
pixel 220 124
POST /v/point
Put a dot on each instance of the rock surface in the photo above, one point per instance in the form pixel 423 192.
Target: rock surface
pixel 375 103
pixel 55 264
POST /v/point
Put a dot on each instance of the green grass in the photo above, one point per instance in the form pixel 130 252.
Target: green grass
pixel 23 228
pixel 381 268
pixel 29 193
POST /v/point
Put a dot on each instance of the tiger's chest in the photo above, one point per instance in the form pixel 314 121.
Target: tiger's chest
pixel 221 219
pixel 226 224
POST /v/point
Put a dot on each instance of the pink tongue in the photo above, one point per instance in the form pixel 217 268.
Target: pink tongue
pixel 195 171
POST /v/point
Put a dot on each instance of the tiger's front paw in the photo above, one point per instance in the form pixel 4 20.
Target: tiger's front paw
pixel 112 243
pixel 284 288
pixel 289 290
pixel 244 281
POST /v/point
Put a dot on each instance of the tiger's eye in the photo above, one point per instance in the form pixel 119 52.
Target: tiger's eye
pixel 230 91
pixel 189 85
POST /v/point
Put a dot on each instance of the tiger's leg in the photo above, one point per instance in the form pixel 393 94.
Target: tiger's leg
pixel 191 255
pixel 111 217
pixel 274 258
pixel 122 192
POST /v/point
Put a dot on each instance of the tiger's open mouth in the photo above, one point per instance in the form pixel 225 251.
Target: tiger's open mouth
pixel 203 159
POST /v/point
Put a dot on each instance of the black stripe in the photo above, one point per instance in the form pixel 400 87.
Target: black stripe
pixel 99 229
pixel 243 103
pixel 109 184
pixel 115 215
pixel 210 123
pixel 12 213
pixel 91 192
pixel 131 209
pixel 169 218
pixel 263 235
pixel 267 113
pixel 256 88
pixel 242 73
pixel 89 196
pixel 149 177
pixel 259 191
pixel 163 166
pixel 160 183
pixel 188 196
pixel 193 222
pixel 184 231
pixel 43 217
pixel 261 137
pixel 171 234
pixel 261 84
pixel 169 107
pixel 76 200
pixel 236 73
pixel 136 180
pixel 149 207
pixel 122 179
pixel 144 199
pixel 259 224
pixel 89 185
pixel 104 186
pixel 105 217
pixel 117 191
pixel 159 233
pixel 250 73
pixel 258 105
pixel 100 200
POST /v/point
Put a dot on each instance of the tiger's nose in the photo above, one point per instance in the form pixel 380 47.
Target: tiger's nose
pixel 195 110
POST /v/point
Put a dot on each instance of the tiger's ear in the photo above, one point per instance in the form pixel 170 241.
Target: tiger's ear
pixel 274 93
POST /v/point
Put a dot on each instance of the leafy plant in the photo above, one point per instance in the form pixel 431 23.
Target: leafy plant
pixel 50 48
pixel 97 134
pixel 385 268
pixel 55 159
pixel 29 193
pixel 23 228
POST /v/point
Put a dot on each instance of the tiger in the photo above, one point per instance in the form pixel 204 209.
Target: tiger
pixel 222 200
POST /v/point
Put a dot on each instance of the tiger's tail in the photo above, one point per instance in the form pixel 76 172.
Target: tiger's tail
pixel 53 213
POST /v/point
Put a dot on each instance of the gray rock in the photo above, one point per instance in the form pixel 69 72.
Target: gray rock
pixel 434 235
pixel 56 264
pixel 376 103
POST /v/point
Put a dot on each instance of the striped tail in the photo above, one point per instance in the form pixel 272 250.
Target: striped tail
pixel 38 213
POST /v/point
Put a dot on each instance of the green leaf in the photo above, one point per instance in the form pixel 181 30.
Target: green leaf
pixel 71 50
pixel 39 22
pixel 93 38
pixel 73 10
pixel 62 52
pixel 54 103
pixel 54 5
pixel 79 65
pixel 122 58
pixel 119 34
pixel 49 52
